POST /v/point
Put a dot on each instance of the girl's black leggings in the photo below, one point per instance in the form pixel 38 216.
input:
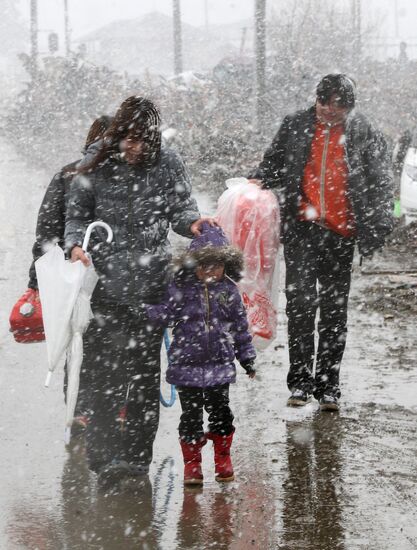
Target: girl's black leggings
pixel 215 400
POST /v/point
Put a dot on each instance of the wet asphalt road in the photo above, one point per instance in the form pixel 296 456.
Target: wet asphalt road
pixel 304 479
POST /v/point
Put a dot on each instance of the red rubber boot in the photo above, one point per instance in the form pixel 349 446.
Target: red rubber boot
pixel 192 461
pixel 222 460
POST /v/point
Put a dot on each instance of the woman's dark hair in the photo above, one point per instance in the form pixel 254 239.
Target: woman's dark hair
pixel 138 118
pixel 97 129
pixel 337 84
pixel 96 132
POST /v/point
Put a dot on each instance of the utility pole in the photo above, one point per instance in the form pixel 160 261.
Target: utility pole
pixel 396 20
pixel 356 26
pixel 33 39
pixel 260 52
pixel 67 30
pixel 206 19
pixel 177 37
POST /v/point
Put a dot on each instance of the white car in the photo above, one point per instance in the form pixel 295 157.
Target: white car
pixel 408 186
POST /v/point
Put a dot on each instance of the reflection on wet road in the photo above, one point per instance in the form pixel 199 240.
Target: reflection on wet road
pixel 93 519
pixel 140 514
pixel 159 515
pixel 312 509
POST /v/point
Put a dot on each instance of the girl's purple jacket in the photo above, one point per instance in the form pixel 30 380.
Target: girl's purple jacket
pixel 210 328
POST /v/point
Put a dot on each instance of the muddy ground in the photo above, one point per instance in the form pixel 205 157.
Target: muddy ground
pixel 305 480
pixel 392 275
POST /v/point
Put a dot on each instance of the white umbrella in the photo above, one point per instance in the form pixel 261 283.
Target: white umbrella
pixel 59 283
pixel 65 290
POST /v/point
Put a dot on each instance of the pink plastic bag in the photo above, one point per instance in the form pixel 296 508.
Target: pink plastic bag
pixel 249 216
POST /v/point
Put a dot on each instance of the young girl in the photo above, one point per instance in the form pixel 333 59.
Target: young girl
pixel 210 330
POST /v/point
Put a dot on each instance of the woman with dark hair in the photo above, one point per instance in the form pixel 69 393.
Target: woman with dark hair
pixel 140 189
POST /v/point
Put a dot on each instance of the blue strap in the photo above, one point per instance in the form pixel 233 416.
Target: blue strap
pixel 173 392
pixel 166 340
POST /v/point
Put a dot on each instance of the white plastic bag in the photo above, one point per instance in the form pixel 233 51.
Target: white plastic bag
pixel 249 216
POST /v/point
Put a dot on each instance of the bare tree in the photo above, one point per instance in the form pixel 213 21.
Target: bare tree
pixel 318 36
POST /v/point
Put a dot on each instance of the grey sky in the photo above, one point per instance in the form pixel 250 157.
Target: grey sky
pixel 87 15
pixel 398 17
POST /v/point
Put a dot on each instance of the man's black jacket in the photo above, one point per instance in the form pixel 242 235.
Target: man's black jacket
pixel 369 185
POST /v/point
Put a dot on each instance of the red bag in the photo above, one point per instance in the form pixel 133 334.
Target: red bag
pixel 26 318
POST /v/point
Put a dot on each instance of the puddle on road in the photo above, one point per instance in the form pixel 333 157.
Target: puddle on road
pixel 155 512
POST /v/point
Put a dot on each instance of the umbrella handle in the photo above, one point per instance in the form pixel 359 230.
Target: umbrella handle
pixel 91 227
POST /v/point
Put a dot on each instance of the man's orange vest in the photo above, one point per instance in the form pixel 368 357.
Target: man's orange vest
pixel 325 200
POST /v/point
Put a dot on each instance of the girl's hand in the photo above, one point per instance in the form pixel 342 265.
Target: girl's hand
pixel 249 368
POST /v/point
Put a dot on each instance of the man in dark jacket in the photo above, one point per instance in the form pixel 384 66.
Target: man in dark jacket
pixel 331 170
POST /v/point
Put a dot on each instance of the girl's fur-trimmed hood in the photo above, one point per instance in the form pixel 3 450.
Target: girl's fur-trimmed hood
pixel 184 266
pixel 210 247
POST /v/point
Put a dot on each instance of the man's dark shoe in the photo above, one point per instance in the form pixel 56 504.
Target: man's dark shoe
pixel 298 398
pixel 329 403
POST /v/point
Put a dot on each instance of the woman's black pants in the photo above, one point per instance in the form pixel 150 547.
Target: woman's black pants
pixel 122 356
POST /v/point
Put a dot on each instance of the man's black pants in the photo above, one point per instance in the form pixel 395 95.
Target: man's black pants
pixel 318 274
pixel 216 402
